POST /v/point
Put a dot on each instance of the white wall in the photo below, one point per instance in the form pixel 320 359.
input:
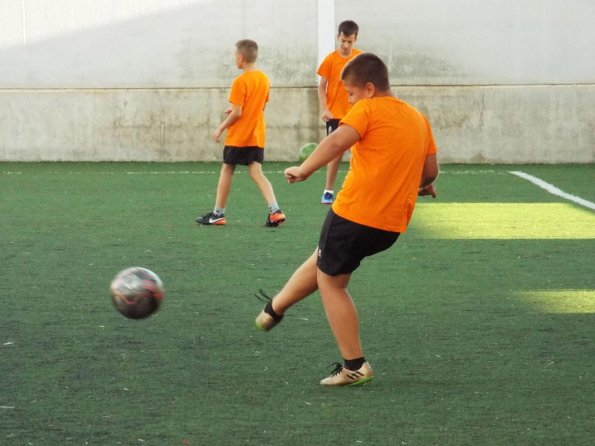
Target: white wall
pixel 151 43
pixel 480 42
pixel 501 80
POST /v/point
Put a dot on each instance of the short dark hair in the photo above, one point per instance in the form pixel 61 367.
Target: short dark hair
pixel 364 68
pixel 348 28
pixel 248 48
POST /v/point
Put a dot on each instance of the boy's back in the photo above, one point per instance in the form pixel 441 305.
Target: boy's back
pixel 381 187
pixel 250 90
pixel 246 136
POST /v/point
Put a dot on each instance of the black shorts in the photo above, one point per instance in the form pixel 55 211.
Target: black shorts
pixel 344 244
pixel 332 125
pixel 243 155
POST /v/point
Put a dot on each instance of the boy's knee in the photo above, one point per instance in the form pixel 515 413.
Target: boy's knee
pixel 255 171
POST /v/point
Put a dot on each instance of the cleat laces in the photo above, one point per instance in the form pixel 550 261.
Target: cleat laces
pixel 337 368
pixel 262 296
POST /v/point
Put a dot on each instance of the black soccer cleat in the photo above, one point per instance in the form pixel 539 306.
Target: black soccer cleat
pixel 211 219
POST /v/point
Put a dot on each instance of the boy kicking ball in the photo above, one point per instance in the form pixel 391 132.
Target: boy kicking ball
pixel 393 161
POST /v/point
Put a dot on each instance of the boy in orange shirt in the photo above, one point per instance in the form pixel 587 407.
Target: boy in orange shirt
pixel 246 135
pixel 333 97
pixel 393 160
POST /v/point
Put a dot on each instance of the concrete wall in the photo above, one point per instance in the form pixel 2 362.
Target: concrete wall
pixel 501 80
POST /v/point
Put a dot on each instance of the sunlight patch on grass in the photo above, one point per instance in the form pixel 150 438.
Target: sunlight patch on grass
pixel 560 301
pixel 503 221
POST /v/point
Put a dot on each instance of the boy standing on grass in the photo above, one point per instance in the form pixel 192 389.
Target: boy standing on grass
pixel 246 136
pixel 393 160
pixel 333 97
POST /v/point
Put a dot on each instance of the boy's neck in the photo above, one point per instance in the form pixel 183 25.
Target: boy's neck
pixel 382 94
pixel 345 56
pixel 249 67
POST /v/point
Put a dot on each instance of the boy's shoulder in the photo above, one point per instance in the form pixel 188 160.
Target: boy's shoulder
pixel 253 74
pixel 332 56
pixel 336 54
pixel 380 105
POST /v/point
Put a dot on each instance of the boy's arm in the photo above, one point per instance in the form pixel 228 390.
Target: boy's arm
pixel 232 115
pixel 428 174
pixel 329 148
pixel 322 86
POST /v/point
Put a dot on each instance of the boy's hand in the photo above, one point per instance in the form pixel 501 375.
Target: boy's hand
pixel 294 174
pixel 427 190
pixel 327 115
pixel 217 135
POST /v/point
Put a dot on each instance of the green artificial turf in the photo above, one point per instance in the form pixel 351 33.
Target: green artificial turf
pixel 479 323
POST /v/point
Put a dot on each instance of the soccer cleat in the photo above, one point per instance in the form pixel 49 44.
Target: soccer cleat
pixel 211 219
pixel 342 376
pixel 327 198
pixel 264 321
pixel 275 219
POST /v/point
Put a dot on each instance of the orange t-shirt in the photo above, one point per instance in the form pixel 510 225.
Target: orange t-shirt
pixel 380 189
pixel 336 96
pixel 250 90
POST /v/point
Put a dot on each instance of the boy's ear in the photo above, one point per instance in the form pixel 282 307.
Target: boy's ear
pixel 370 89
pixel 241 59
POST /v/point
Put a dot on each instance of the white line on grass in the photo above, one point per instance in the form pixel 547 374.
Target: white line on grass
pixel 553 189
pixel 472 172
pixel 215 172
pixel 130 172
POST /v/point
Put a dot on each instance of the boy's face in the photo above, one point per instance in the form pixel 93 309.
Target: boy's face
pixel 239 59
pixel 356 93
pixel 346 44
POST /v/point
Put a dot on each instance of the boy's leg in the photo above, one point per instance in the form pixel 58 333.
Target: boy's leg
pixel 331 172
pixel 341 313
pixel 265 186
pixel 275 217
pixel 224 185
pixel 217 215
pixel 328 195
pixel 343 319
pixel 300 285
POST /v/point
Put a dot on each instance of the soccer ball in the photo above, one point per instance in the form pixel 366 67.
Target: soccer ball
pixel 306 150
pixel 136 292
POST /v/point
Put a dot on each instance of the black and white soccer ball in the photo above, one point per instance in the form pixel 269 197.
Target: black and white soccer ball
pixel 137 292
